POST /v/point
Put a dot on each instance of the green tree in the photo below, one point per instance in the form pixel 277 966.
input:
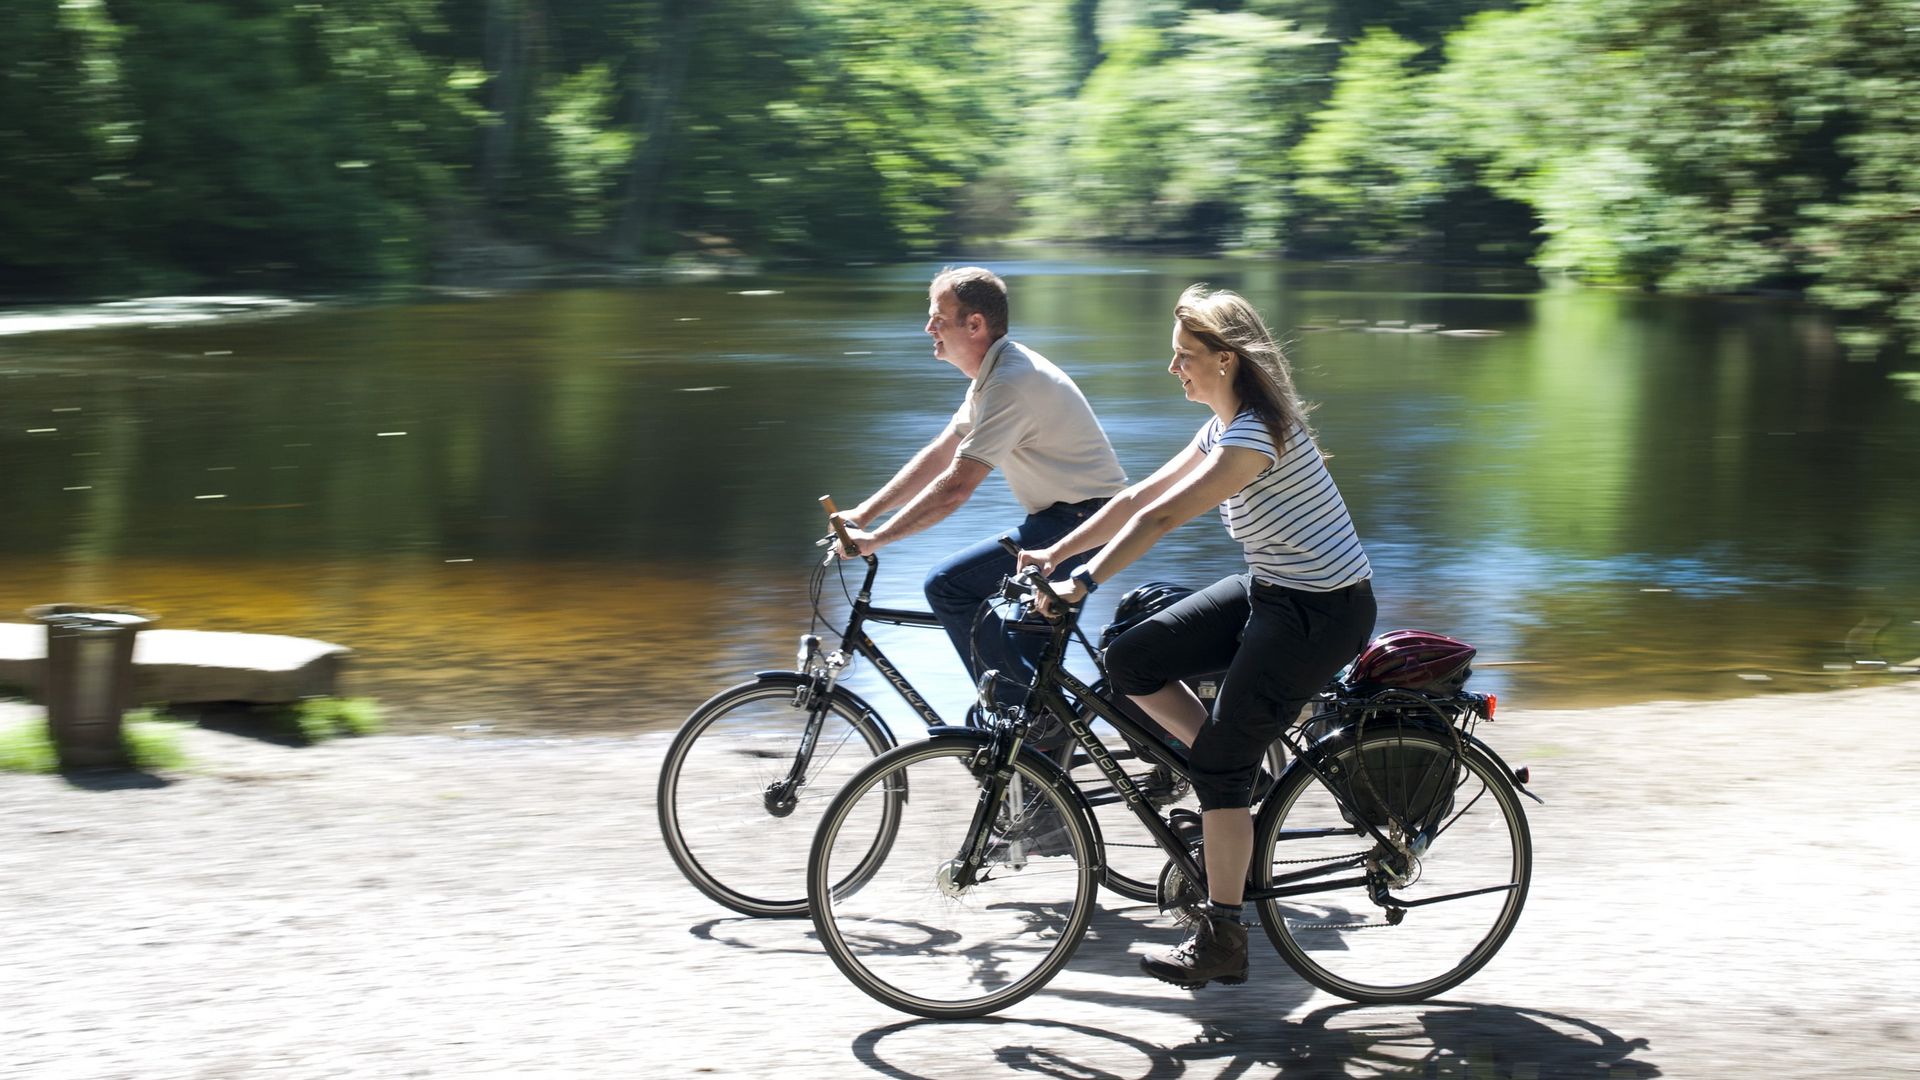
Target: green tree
pixel 1371 167
pixel 64 132
pixel 1183 131
pixel 1694 147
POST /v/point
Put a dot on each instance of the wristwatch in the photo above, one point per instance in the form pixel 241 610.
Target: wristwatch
pixel 1084 575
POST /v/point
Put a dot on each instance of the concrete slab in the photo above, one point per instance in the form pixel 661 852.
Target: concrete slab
pixel 196 665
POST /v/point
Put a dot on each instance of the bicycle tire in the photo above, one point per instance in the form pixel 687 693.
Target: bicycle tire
pixel 906 933
pixel 726 840
pixel 1482 858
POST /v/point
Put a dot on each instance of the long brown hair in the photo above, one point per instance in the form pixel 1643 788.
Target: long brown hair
pixel 1225 322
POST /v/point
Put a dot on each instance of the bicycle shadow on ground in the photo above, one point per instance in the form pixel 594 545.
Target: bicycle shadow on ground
pixel 760 935
pixel 1431 1039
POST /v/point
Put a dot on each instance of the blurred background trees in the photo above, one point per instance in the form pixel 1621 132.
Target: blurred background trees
pixel 180 144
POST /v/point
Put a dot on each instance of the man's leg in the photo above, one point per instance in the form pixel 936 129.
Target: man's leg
pixel 958 584
pixel 956 587
pixel 1021 650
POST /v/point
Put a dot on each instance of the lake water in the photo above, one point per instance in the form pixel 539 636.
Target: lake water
pixel 586 508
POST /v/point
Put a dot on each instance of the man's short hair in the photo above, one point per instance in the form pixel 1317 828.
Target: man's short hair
pixel 977 290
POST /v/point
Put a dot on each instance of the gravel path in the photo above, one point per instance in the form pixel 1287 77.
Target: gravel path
pixel 1722 891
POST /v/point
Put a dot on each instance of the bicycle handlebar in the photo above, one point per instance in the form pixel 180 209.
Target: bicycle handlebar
pixel 1033 581
pixel 839 530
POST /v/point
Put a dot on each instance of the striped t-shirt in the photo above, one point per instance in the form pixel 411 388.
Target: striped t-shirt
pixel 1291 518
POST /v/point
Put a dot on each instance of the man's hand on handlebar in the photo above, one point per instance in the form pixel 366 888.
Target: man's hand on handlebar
pixel 862 541
pixel 846 539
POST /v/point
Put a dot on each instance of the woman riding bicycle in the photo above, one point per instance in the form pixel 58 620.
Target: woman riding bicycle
pixel 1304 610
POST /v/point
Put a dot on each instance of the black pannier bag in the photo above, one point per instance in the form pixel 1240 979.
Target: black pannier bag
pixel 1412 782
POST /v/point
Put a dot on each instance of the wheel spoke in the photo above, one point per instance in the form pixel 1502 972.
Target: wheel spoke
pixel 1444 910
pixel 714 805
pixel 904 930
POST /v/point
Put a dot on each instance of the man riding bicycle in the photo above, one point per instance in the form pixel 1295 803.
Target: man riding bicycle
pixel 1021 415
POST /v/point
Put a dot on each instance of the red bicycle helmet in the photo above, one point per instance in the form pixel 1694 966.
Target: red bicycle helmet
pixel 1414 660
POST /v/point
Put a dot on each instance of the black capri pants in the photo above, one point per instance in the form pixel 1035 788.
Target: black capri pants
pixel 1279 646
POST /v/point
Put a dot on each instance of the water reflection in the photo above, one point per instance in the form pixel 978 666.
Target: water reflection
pixel 591 507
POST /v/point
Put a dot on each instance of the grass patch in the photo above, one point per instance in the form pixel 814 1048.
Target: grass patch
pixel 151 737
pixel 26 747
pixel 320 719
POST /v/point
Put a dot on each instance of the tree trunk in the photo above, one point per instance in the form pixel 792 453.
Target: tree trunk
pixel 1086 40
pixel 651 113
pixel 505 54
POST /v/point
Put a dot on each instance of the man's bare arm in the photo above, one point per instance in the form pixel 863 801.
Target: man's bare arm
pixel 913 478
pixel 947 493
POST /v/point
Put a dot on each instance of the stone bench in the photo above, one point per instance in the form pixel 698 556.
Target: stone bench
pixel 185 666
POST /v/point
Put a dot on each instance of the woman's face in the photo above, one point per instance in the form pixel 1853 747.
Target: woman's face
pixel 1203 373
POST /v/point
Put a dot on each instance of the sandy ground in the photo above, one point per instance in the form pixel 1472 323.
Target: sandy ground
pixel 1721 891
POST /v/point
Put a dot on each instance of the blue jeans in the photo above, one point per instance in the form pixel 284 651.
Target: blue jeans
pixel 959 585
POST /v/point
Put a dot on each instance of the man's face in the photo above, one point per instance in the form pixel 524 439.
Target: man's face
pixel 952 335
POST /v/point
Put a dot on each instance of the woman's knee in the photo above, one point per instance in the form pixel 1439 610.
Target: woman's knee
pixel 1131 666
pixel 1224 788
pixel 1226 760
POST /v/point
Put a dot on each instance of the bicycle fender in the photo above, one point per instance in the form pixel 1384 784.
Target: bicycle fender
pixel 1512 773
pixel 841 695
pixel 1048 768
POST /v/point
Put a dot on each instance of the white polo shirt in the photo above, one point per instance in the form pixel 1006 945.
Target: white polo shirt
pixel 1026 418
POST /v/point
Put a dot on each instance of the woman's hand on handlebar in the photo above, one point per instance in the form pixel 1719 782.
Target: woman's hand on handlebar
pixel 1067 589
pixel 1042 558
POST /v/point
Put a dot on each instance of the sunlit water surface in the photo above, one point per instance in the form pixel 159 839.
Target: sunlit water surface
pixel 589 508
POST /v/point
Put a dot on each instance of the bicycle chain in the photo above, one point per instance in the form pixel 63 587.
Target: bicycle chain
pixel 1276 862
pixel 1346 926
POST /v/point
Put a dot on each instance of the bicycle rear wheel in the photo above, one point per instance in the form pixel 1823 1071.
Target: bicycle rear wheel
pixel 906 931
pixel 728 823
pixel 1444 915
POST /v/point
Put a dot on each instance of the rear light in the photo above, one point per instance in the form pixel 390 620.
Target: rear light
pixel 1522 774
pixel 1492 700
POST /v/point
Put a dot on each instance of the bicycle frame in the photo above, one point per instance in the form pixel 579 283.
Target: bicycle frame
pixel 1052 678
pixel 854 639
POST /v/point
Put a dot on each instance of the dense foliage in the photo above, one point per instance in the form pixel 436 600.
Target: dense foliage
pixel 1663 143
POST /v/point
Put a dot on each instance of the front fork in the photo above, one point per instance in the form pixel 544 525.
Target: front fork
pixel 814 693
pixel 993 764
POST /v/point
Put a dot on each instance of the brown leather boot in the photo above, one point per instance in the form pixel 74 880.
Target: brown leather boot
pixel 1217 952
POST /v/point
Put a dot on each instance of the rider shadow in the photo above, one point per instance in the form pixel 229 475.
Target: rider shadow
pixel 1427 1039
pixel 1431 1039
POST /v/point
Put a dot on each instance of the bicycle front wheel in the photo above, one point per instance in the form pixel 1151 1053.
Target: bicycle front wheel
pixel 736 812
pixel 1420 926
pixel 917 931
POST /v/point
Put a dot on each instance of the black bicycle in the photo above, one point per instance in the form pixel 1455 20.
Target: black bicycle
pixel 956 876
pixel 748 773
